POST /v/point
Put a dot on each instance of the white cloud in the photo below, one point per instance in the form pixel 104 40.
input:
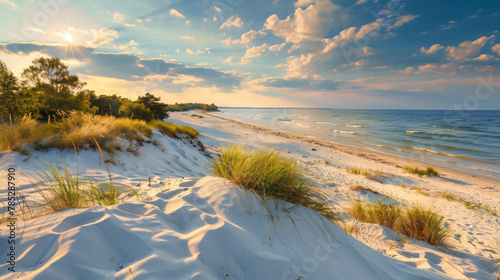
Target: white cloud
pixel 366 51
pixel 433 49
pixel 402 20
pixel 122 47
pixel 246 37
pixel 187 38
pixel 188 51
pixel 188 22
pixel 138 20
pixel 467 49
pixel 35 29
pixel 484 57
pixel 311 23
pixel 8 3
pixel 229 60
pixel 277 47
pixel 102 36
pixel 118 18
pixel 232 21
pixel 176 13
pixel 253 52
pixel 496 48
pixel 360 2
pixel 133 43
pixel 408 70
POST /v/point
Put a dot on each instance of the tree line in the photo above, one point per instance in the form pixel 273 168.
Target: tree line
pixel 47 89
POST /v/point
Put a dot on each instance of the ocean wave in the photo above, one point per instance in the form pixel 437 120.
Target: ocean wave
pixel 329 123
pixel 302 125
pixel 413 131
pixel 344 132
pixel 353 125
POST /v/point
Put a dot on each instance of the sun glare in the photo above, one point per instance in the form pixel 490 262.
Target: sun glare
pixel 68 37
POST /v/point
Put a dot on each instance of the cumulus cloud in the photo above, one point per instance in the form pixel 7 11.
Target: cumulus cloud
pixel 246 37
pixel 128 67
pixel 432 50
pixel 176 13
pixel 496 48
pixel 467 49
pixel 253 52
pixel 277 47
pixel 311 21
pixel 118 18
pixel 484 57
pixel 314 83
pixel 102 36
pixel 191 38
pixel 232 21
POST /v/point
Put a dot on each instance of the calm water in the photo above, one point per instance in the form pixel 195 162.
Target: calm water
pixel 466 141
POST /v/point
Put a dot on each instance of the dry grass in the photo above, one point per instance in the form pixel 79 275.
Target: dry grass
pixel 449 196
pixel 80 129
pixel 361 188
pixel 421 172
pixel 420 191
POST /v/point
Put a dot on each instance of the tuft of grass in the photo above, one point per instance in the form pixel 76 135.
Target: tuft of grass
pixel 355 171
pixel 422 224
pixel 99 195
pixel 61 189
pixel 414 221
pixel 383 212
pixel 361 188
pixel 420 191
pixel 449 196
pixel 327 162
pixel 195 115
pixel 421 172
pixel 270 175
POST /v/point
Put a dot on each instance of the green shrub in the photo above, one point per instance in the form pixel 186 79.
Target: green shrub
pixel 449 196
pixel 270 175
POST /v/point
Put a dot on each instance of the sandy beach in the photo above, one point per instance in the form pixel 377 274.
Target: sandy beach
pixel 190 225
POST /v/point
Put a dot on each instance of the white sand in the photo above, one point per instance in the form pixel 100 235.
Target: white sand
pixel 190 226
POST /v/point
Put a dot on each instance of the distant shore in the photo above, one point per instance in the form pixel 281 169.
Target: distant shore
pixel 368 154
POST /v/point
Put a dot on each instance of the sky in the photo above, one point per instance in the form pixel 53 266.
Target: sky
pixel 364 54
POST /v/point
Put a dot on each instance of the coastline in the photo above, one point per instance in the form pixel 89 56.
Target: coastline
pixel 367 154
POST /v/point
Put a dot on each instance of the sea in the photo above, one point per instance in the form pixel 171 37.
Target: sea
pixel 465 141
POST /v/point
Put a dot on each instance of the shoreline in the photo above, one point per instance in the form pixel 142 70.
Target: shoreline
pixel 365 153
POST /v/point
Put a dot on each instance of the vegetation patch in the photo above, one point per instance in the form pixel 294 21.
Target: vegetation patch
pixel 414 221
pixel 421 172
pixel 77 129
pixel 361 188
pixel 449 196
pixel 195 115
pixel 270 175
pixel 420 191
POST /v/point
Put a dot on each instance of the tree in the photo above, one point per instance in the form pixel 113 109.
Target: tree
pixel 134 110
pixel 154 105
pixel 10 98
pixel 57 89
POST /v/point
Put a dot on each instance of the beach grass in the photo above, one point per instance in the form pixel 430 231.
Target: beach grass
pixel 422 172
pixel 422 224
pixel 361 188
pixel 270 175
pixel 382 212
pixel 449 196
pixel 414 221
pixel 420 191
pixel 80 129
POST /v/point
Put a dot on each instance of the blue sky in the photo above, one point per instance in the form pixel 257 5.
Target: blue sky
pixel 305 53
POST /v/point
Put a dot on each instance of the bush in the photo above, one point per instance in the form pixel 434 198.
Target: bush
pixel 270 175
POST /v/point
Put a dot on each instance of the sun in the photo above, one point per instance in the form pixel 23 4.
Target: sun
pixel 68 38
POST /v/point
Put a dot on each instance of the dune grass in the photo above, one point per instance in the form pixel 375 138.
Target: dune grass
pixel 361 188
pixel 382 212
pixel 420 191
pixel 196 115
pixel 414 221
pixel 270 175
pixel 80 129
pixel 421 172
pixel 449 196
pixel 422 224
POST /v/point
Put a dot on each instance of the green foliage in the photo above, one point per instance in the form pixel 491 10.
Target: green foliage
pixel 421 172
pixel 270 175
pixel 153 103
pixel 195 115
pixel 171 129
pixel 420 191
pixel 355 171
pixel 136 111
pixel 101 196
pixel 449 196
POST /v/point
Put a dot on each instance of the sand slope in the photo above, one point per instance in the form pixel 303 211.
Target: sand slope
pixel 198 229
